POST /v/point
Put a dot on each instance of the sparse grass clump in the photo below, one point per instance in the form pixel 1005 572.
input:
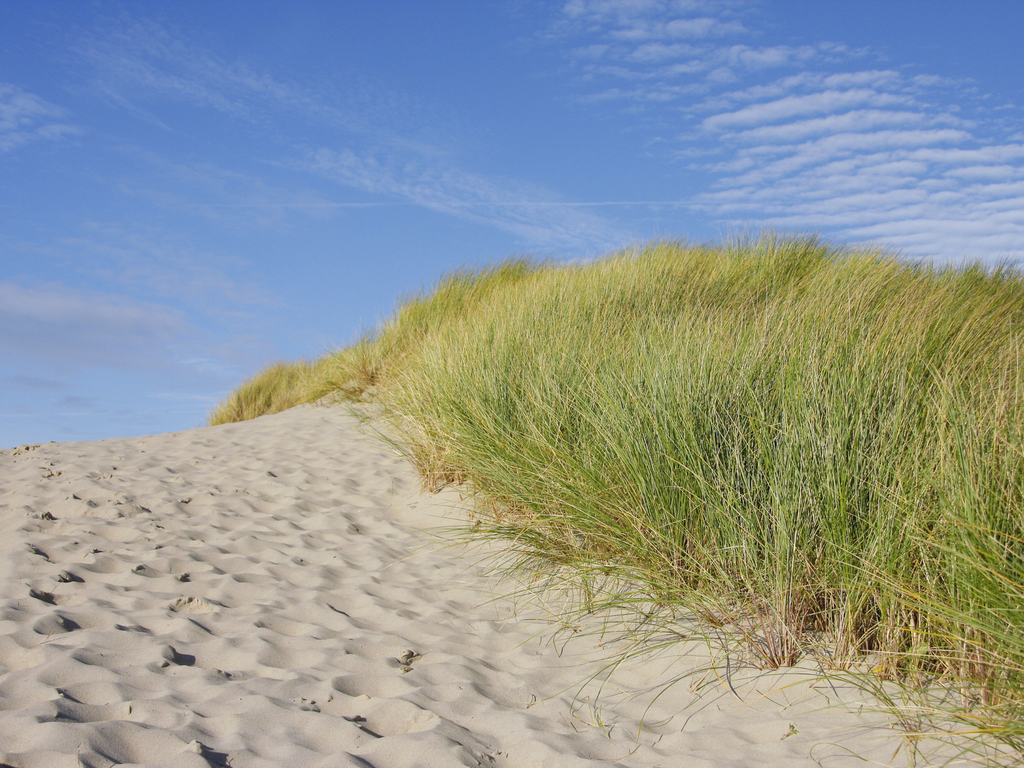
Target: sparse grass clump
pixel 819 448
pixel 276 388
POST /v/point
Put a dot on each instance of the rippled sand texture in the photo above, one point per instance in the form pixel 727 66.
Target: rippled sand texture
pixel 264 594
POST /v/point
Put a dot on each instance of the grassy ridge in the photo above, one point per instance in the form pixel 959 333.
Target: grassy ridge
pixel 820 448
pixel 356 371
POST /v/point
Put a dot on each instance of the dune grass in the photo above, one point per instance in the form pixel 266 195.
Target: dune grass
pixel 356 372
pixel 276 388
pixel 817 448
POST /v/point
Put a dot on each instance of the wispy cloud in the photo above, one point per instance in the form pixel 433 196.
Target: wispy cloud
pixel 34 383
pixel 134 60
pixel 855 120
pixel 24 117
pixel 528 211
pixel 214 290
pixel 380 143
pixel 824 102
pixel 62 328
pixel 669 50
pixel 155 263
pixel 235 199
pixel 640 20
pixel 908 172
pixel 912 161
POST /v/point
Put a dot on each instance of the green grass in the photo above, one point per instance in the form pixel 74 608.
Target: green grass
pixel 276 388
pixel 819 449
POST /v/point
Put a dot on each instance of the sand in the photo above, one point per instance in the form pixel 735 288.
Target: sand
pixel 273 593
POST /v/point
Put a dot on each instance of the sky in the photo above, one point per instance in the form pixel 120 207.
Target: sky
pixel 192 190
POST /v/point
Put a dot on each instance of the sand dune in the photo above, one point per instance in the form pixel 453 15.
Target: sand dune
pixel 269 594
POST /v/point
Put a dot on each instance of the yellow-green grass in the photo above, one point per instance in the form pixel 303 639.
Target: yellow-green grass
pixel 819 448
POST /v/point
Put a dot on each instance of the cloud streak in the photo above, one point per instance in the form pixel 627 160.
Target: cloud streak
pixel 395 156
pixel 826 102
pixel 913 162
pixel 24 118
pixel 62 328
pixel 527 211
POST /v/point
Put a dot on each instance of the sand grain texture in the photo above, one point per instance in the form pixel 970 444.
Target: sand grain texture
pixel 268 594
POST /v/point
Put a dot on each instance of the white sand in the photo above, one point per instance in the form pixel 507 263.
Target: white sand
pixel 249 595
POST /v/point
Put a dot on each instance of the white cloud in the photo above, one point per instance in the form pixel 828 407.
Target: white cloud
pixel 660 51
pixel 761 58
pixel 991 154
pixel 677 39
pixel 25 117
pixel 987 172
pixel 889 197
pixel 829 148
pixel 860 120
pixel 798 106
pixel 645 19
pixel 703 26
pixel 833 144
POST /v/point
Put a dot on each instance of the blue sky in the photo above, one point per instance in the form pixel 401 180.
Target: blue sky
pixel 190 190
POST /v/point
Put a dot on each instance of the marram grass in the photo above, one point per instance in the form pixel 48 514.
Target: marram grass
pixel 818 447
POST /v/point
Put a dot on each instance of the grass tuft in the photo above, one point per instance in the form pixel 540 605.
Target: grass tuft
pixel 276 388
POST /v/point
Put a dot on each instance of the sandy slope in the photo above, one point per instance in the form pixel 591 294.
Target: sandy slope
pixel 263 594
